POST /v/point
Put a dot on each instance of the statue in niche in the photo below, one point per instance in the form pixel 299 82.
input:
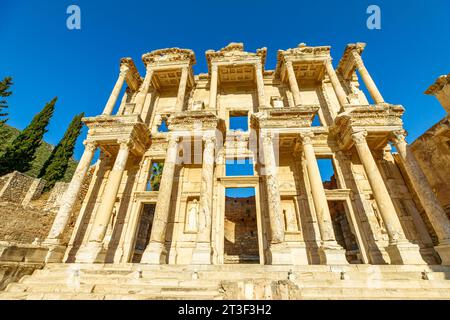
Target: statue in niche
pixel 191 224
pixel 290 218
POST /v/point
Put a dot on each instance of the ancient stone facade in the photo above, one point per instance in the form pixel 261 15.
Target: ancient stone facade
pixel 369 215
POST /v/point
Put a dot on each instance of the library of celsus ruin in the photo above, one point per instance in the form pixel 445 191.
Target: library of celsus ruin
pixel 242 127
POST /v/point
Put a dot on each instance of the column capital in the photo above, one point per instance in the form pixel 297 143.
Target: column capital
pixel 124 70
pixel 399 136
pixel 357 57
pixel 209 139
pixel 359 137
pixel 306 137
pixel 173 140
pixel 90 145
pixel 288 63
pixel 125 144
pixel 267 136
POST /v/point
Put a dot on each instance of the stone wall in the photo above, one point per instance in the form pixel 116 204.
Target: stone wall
pixel 17 187
pixel 241 232
pixel 25 222
pixel 432 151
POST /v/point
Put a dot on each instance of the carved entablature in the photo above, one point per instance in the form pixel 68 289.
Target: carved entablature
pixel 132 78
pixel 440 83
pixel 347 65
pixel 193 121
pixel 285 117
pixel 233 53
pixel 169 56
pixel 158 148
pixel 108 131
pixel 378 121
pixel 308 62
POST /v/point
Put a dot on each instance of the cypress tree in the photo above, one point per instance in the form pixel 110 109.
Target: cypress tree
pixel 56 165
pixel 19 154
pixel 5 85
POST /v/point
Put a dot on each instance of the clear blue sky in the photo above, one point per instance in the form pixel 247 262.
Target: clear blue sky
pixel 80 67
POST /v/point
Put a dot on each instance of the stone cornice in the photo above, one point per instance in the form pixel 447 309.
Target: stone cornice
pixel 438 85
pixel 346 65
pixel 169 55
pixel 379 121
pixel 302 52
pixel 235 52
pixel 133 77
pixel 285 117
pixel 193 120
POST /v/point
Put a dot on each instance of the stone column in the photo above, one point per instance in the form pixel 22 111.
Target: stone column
pixel 156 253
pixel 428 200
pixel 116 91
pixel 340 93
pixel 202 252
pixel 278 250
pixel 400 250
pixel 143 91
pixel 293 83
pixel 260 85
pixel 53 240
pixel 213 86
pixel 182 89
pixel 94 251
pixel 368 81
pixel 330 251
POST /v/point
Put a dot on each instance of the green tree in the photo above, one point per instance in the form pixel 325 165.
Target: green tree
pixel 56 165
pixel 155 177
pixel 19 154
pixel 5 92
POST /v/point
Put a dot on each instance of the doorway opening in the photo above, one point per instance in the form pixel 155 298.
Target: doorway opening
pixel 240 227
pixel 343 231
pixel 144 231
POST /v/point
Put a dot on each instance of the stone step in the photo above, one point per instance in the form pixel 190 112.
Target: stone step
pixel 371 293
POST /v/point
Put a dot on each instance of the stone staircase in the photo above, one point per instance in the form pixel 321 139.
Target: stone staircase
pixel 135 281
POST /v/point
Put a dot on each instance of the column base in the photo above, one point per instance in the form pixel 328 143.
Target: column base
pixel 280 254
pixel 299 254
pixel 443 251
pixel 155 253
pixel 56 250
pixel 331 254
pixel 93 252
pixel 202 254
pixel 404 253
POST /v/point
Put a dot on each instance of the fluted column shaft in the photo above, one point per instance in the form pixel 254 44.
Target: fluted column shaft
pixel 145 87
pixel 293 83
pixel 318 191
pixel 213 87
pixel 340 93
pixel 273 192
pixel 368 81
pixel 260 85
pixel 430 203
pixel 71 194
pixel 103 216
pixel 182 88
pixel 380 192
pixel 116 91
